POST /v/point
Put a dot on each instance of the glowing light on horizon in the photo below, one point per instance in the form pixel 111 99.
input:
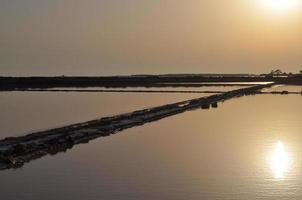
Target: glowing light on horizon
pixel 280 6
pixel 279 160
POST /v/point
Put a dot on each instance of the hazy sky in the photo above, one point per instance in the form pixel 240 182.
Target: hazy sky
pixel 105 37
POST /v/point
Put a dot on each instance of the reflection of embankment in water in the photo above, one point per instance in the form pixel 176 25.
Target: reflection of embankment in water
pixel 16 151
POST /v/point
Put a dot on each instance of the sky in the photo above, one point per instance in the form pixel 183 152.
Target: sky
pixel 122 37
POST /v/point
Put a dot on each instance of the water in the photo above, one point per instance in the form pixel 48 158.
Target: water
pixel 199 88
pixel 248 148
pixel 24 112
pixel 280 88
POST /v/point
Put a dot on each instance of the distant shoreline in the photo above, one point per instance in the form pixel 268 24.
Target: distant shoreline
pixel 177 80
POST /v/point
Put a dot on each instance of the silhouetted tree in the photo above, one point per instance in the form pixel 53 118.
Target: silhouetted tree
pixel 277 72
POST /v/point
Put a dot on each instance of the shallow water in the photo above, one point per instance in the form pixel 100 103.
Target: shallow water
pixel 24 112
pixel 232 152
pixel 199 88
pixel 280 88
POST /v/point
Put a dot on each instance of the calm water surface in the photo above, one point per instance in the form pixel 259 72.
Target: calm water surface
pixel 199 88
pixel 280 88
pixel 248 148
pixel 24 112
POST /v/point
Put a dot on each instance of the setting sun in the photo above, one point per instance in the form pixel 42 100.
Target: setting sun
pixel 279 5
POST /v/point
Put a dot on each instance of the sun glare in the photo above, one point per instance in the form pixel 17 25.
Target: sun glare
pixel 279 160
pixel 280 5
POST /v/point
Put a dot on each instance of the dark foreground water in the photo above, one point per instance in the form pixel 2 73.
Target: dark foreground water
pixel 248 148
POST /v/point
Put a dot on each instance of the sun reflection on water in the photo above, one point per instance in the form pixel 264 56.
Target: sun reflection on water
pixel 279 160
